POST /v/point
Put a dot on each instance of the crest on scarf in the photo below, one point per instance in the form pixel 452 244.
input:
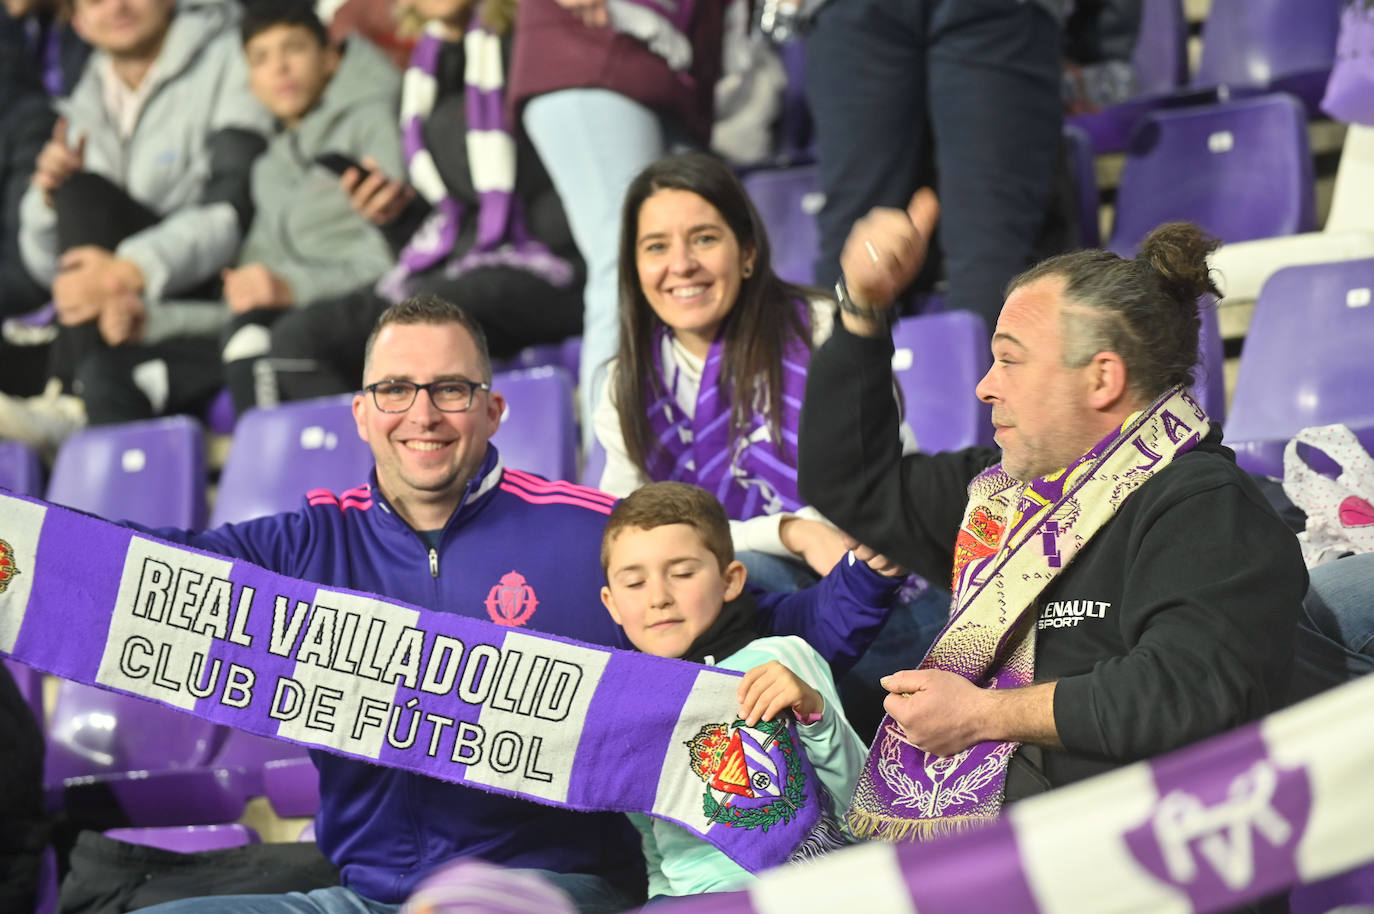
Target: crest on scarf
pixel 512 601
pixel 8 569
pixel 753 775
pixel 977 540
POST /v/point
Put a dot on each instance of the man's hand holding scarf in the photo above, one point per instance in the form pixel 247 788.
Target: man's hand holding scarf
pixel 943 713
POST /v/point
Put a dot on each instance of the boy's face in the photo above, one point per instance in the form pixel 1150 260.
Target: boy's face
pixel 288 70
pixel 666 587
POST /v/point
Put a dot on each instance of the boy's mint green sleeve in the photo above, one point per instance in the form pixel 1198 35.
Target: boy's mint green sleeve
pixel 835 750
pixel 653 857
pixel 679 862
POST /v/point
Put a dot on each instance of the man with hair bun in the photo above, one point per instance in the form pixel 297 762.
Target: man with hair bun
pixel 1121 588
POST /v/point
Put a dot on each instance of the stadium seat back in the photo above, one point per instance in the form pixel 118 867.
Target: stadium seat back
pixel 150 472
pixel 1241 170
pixel 1209 380
pixel 1306 361
pixel 21 471
pixel 279 454
pixel 938 361
pixel 1160 57
pixel 538 432
pixel 789 200
pixel 1286 45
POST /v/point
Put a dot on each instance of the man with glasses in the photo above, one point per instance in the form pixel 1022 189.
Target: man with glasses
pixel 444 525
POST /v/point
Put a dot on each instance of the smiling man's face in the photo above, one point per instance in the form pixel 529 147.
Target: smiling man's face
pixel 425 456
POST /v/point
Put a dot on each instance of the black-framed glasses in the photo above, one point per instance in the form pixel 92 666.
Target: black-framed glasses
pixel 449 396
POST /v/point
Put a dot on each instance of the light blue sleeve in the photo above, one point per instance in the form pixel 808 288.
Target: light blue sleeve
pixel 835 750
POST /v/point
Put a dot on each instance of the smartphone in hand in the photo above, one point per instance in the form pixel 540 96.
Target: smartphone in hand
pixel 339 163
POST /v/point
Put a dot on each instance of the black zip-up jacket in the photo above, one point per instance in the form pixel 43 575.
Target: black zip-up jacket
pixel 1174 623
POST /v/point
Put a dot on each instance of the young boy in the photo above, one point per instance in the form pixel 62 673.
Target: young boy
pixel 671 575
pixel 306 242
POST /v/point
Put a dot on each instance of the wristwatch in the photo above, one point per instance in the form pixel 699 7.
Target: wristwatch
pixel 848 304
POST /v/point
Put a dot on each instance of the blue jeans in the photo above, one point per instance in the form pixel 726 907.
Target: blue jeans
pixel 572 131
pixel 1335 638
pixel 590 894
pixel 985 75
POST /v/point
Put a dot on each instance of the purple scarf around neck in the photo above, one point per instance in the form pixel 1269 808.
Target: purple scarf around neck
pixel 1014 540
pixel 750 474
pixel 502 236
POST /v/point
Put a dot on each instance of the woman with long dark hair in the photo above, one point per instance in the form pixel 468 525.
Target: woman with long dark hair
pixel 711 369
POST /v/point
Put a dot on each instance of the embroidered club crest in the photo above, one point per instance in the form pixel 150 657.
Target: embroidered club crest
pixel 753 775
pixel 8 569
pixel 512 601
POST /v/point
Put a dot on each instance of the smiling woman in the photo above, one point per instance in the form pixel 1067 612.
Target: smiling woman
pixel 711 370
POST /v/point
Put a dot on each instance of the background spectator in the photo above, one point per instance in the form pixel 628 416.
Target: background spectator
pixel 585 70
pixel 141 194
pixel 41 58
pixel 984 75
pixel 460 228
pixel 306 243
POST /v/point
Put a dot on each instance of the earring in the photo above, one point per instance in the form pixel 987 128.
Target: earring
pixel 747 271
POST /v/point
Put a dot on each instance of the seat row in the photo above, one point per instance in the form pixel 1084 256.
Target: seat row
pixel 1241 170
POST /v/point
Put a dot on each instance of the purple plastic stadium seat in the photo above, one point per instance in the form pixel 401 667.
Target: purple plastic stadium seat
pixel 188 839
pixel 251 754
pixel 1306 361
pixel 102 745
pixel 1270 45
pixel 566 355
pixel 151 472
pixel 20 469
pixel 536 356
pixel 938 361
pixel 570 355
pixel 788 200
pixel 219 415
pixel 1241 170
pixel 594 466
pixel 538 432
pixel 1209 381
pixel 1160 61
pixel 292 786
pixel 281 453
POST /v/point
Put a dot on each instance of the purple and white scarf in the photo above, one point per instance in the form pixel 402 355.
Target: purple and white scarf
pixel 502 236
pixel 662 25
pixel 493 707
pixel 750 474
pixel 1284 801
pixel 1015 539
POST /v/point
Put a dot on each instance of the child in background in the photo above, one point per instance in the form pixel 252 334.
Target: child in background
pixel 670 573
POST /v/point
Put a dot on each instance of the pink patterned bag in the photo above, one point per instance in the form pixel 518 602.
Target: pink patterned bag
pixel 1340 511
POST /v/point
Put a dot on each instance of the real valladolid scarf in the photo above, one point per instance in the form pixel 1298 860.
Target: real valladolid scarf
pixel 750 474
pixel 506 710
pixel 502 237
pixel 1014 540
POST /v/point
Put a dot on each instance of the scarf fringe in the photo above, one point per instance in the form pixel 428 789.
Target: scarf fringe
pixel 893 829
